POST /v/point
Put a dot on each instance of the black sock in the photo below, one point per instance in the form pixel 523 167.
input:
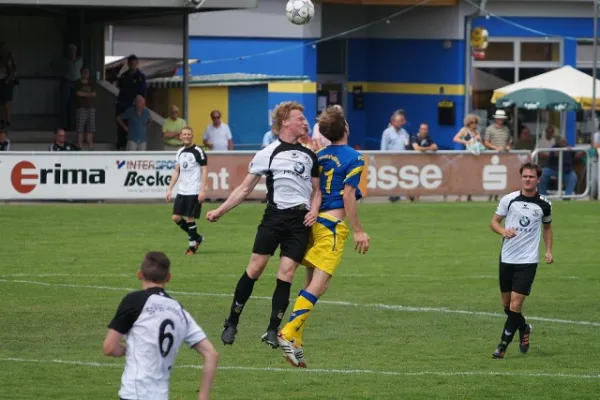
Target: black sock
pixel 522 324
pixel 243 290
pixel 510 327
pixel 183 225
pixel 279 303
pixel 506 310
pixel 193 233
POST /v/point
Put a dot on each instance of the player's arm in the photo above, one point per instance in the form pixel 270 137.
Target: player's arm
pixel 203 162
pixel 351 184
pixel 316 199
pixel 496 224
pixel 209 368
pixel 547 234
pixel 174 178
pixel 236 197
pixel 112 345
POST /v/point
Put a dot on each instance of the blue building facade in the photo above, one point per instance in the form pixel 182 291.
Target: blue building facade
pixel 412 62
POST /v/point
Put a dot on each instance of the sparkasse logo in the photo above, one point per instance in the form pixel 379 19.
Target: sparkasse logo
pixel 25 176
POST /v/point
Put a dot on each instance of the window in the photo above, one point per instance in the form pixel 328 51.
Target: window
pixel 526 73
pixel 540 52
pixel 500 51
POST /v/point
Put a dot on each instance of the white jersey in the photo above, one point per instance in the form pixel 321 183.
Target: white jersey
pixel 155 325
pixel 191 160
pixel 525 215
pixel 288 169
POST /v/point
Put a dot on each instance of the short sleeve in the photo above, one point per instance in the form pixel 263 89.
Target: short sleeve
pixel 207 133
pixel 384 140
pixel 177 157
pixel 502 208
pixel 259 164
pixel 194 333
pixel 547 217
pixel 127 113
pixel 314 172
pixel 128 312
pixel 486 134
pixel 354 173
pixel 228 134
pixel 200 156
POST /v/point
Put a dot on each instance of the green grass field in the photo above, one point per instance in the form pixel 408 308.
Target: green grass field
pixel 416 318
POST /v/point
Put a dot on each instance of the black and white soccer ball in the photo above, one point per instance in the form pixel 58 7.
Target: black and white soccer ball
pixel 300 12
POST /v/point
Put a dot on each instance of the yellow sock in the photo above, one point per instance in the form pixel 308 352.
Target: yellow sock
pixel 302 308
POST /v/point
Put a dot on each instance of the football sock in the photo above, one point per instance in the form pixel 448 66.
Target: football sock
pixel 506 310
pixel 522 323
pixel 302 309
pixel 511 325
pixel 243 290
pixel 193 234
pixel 279 303
pixel 183 225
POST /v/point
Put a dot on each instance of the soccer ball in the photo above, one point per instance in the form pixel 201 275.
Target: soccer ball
pixel 300 12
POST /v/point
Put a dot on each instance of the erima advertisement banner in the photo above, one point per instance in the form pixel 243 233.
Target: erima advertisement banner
pixel 130 176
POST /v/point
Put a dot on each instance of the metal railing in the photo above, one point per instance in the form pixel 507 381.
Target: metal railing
pixel 588 169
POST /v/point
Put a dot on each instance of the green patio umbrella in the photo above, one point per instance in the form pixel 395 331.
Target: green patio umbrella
pixel 538 99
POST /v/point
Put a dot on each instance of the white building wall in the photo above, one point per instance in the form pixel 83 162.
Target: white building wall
pixel 268 20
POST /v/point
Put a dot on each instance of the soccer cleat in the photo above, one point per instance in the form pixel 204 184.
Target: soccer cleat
pixel 271 338
pixel 524 338
pixel 228 335
pixel 299 353
pixel 289 351
pixel 500 350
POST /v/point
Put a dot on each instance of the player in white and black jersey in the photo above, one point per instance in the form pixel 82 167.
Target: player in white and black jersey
pixel 293 201
pixel 155 325
pixel 524 213
pixel 192 173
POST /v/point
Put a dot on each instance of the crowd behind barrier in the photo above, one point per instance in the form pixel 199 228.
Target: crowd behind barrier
pixel 146 175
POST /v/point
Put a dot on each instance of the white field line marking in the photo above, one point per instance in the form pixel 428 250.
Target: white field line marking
pixel 342 275
pixel 390 307
pixel 326 371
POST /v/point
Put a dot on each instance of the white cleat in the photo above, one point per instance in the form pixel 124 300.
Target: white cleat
pixel 299 353
pixel 289 351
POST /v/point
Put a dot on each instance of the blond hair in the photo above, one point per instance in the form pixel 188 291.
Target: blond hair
pixel 470 118
pixel 332 123
pixel 282 112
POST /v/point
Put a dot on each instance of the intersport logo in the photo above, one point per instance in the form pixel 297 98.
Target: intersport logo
pixel 25 176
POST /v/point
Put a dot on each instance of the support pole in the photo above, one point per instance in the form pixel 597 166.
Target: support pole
pixel 186 66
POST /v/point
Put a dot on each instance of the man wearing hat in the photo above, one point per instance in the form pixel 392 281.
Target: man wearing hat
pixel 131 84
pixel 497 136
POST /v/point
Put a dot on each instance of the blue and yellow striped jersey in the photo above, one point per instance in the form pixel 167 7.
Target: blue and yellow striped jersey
pixel 339 165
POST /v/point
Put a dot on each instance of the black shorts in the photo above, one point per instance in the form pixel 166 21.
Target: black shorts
pixel 517 277
pixel 283 228
pixel 187 206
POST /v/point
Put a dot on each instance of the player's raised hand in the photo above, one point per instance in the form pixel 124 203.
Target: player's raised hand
pixel 168 195
pixel 213 215
pixel 361 242
pixel 509 233
pixel 549 258
pixel 310 218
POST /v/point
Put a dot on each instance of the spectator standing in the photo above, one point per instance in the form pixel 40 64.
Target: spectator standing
pixel 85 109
pixel 171 128
pixel 131 84
pixel 138 118
pixel 70 74
pixel 217 135
pixel 60 142
pixel 422 141
pixel 270 137
pixel 551 169
pixel 395 138
pixel 497 135
pixel 470 138
pixel 4 141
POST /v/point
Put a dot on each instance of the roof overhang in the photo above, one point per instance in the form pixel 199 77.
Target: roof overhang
pixel 151 67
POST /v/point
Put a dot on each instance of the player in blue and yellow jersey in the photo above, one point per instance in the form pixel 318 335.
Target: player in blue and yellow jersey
pixel 340 170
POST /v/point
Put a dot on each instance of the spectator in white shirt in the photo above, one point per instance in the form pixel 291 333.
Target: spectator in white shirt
pixel 395 138
pixel 548 140
pixel 217 135
pixel 269 137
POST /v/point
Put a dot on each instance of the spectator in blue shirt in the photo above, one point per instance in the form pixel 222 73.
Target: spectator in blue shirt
pixel 131 84
pixel 395 138
pixel 138 118
pixel 269 137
